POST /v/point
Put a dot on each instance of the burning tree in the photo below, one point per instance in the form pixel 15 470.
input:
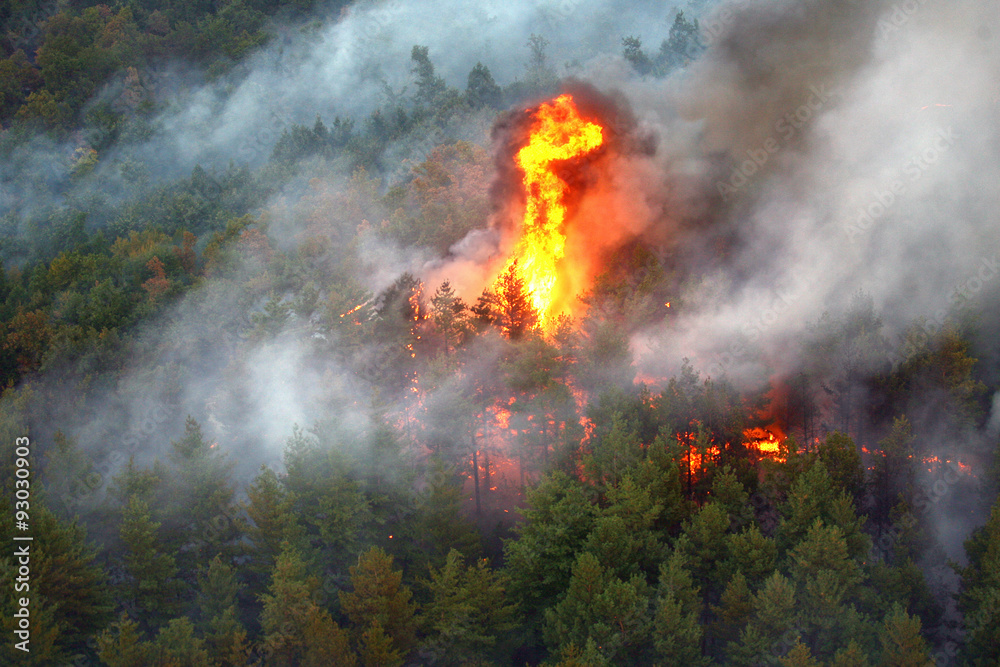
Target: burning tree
pixel 559 133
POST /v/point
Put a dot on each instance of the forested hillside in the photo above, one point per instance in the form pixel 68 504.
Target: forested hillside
pixel 291 403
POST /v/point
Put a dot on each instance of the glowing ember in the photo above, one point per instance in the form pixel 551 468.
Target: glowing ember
pixel 559 133
pixel 353 310
pixel 933 462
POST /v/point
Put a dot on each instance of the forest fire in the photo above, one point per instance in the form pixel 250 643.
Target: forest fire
pixel 934 463
pixel 766 440
pixel 352 310
pixel 559 133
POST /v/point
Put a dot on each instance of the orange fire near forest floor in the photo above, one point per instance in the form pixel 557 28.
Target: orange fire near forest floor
pixel 767 441
pixel 558 133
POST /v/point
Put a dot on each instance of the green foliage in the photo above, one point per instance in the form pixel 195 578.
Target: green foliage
pixel 121 645
pixel 468 614
pixel 150 583
pixel 614 454
pixel 295 629
pixel 557 520
pixel 600 607
pixel 840 456
pixel 751 554
pixel 639 542
pixel 677 631
pixel 980 592
pixel 379 604
pixel 902 644
pixel 177 644
pixel 445 199
pixel 813 497
pixel 270 521
pixel 684 44
pixel 705 544
pixel 440 525
pixel 481 89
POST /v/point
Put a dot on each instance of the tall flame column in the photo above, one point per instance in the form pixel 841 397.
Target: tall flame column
pixel 558 133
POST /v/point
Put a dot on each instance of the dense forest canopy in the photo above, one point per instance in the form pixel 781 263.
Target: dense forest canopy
pixel 291 400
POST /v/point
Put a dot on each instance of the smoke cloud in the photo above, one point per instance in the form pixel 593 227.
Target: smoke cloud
pixel 818 149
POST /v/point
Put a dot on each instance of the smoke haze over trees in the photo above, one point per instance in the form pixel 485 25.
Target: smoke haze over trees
pixel 287 406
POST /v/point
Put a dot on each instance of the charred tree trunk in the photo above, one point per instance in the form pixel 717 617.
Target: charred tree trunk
pixel 475 475
pixel 520 464
pixel 486 466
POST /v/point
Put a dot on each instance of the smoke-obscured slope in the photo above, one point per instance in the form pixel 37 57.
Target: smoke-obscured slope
pixel 843 147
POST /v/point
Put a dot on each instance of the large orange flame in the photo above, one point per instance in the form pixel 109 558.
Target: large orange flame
pixel 767 441
pixel 558 133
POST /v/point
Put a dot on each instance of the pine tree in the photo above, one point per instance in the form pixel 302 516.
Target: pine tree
pixel 448 313
pixel 557 520
pixel 589 656
pixel 225 637
pixel 295 629
pixel 377 648
pixel 623 536
pixel 429 86
pixel 515 313
pixel 601 607
pixel 979 598
pixel 734 609
pixel 751 554
pixel 850 656
pixel 71 595
pixel 440 525
pixel 482 90
pixel 121 645
pixel 731 495
pixel 378 596
pixel 47 640
pixel 613 453
pixel 772 624
pixel 705 544
pixel 826 577
pixel 199 510
pixel 632 52
pixel 894 475
pixel 468 612
pixel 813 496
pixel 682 45
pixel 217 588
pixel 177 644
pixel 267 507
pixel 226 640
pixel 150 586
pixel 677 635
pixel 799 656
pixel 840 456
pixel 902 644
